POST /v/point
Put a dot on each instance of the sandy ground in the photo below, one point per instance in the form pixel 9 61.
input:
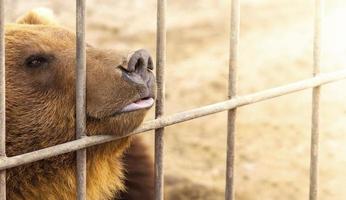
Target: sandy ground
pixel 273 137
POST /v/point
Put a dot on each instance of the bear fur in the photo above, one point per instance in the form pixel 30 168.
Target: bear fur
pixel 40 113
pixel 139 173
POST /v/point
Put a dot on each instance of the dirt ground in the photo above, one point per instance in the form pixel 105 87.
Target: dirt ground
pixel 273 137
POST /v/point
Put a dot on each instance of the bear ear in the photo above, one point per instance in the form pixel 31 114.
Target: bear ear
pixel 42 16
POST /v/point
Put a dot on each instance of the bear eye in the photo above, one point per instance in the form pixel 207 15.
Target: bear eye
pixel 36 61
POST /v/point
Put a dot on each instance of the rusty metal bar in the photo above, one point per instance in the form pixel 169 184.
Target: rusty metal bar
pixel 2 100
pixel 160 101
pixel 315 118
pixel 238 101
pixel 232 92
pixel 81 99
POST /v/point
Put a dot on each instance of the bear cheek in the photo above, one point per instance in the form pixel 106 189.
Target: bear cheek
pixel 46 79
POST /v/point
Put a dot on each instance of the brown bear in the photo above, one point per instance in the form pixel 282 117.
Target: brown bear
pixel 40 113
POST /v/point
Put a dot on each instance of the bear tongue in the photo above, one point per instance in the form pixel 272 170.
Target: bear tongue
pixel 144 102
pixel 140 104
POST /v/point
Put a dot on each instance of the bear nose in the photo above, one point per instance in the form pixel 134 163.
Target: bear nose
pixel 140 61
pixel 138 68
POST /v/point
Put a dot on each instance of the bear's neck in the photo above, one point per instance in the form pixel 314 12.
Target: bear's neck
pixel 55 178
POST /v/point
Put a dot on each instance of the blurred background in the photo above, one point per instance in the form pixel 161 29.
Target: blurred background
pixel 273 137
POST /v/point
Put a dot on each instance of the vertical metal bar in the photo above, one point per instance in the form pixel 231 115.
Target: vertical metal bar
pixel 2 100
pixel 313 192
pixel 232 84
pixel 81 98
pixel 160 101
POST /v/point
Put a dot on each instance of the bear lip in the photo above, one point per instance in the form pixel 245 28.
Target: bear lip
pixel 139 105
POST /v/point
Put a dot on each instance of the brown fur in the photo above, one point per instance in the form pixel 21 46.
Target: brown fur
pixel 139 173
pixel 40 112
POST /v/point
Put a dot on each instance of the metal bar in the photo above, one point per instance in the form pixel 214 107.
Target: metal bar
pixel 160 101
pixel 238 101
pixel 2 100
pixel 81 99
pixel 315 118
pixel 232 87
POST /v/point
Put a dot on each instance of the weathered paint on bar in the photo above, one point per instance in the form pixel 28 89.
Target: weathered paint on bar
pixel 160 101
pixel 81 98
pixel 238 101
pixel 232 92
pixel 2 100
pixel 315 118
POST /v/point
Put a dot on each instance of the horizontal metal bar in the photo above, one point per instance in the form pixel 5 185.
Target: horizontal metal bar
pixel 175 118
